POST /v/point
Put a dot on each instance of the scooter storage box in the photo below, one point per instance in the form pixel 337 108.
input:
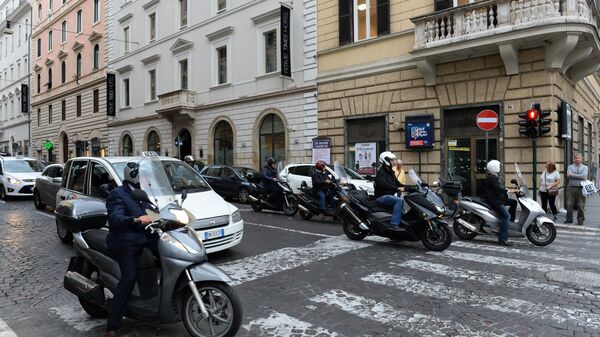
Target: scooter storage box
pixel 79 215
pixel 452 188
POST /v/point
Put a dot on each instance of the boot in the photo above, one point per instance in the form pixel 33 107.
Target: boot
pixel 505 243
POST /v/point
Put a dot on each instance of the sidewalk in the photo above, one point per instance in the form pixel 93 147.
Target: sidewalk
pixel 592 216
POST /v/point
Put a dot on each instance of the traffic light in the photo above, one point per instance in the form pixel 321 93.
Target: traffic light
pixel 543 122
pixel 529 123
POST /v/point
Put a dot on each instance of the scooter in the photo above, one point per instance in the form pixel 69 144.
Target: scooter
pixel 284 199
pixel 309 206
pixel 423 221
pixel 179 285
pixel 474 217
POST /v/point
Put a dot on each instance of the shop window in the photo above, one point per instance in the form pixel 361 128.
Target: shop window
pixel 272 139
pixel 153 141
pixel 366 130
pixel 223 143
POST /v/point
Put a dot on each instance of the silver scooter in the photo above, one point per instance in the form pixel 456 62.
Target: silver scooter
pixel 474 217
pixel 179 285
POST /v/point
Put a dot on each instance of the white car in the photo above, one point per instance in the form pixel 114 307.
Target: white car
pixel 17 176
pixel 220 223
pixel 295 174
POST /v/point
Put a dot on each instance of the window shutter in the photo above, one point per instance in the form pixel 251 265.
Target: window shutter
pixel 383 17
pixel 345 18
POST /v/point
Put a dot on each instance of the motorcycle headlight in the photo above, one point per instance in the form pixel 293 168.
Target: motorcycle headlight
pixel 181 215
pixel 14 181
pixel 166 237
pixel 439 208
pixel 236 217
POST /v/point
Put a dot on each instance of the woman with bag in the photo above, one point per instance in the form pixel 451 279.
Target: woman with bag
pixel 549 182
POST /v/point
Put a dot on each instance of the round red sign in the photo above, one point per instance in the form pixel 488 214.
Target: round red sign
pixel 487 120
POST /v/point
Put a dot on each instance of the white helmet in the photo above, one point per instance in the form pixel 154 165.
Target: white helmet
pixel 188 159
pixel 493 166
pixel 131 173
pixel 385 158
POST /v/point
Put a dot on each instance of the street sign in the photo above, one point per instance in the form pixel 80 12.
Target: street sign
pixel 487 120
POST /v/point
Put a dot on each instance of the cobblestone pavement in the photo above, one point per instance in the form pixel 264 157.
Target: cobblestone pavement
pixel 301 278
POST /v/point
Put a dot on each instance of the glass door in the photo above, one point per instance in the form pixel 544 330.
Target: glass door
pixel 481 161
pixel 459 162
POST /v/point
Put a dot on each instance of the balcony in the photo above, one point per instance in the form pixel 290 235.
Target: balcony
pixel 177 105
pixel 567 29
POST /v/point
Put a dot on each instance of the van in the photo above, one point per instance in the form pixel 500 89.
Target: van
pixel 17 176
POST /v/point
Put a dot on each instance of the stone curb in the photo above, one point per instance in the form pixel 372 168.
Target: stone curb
pixel 576 228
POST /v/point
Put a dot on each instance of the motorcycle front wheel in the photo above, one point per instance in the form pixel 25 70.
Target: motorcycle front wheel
pixel 352 231
pixel 542 235
pixel 256 206
pixel 290 206
pixel 306 215
pixel 436 236
pixel 224 308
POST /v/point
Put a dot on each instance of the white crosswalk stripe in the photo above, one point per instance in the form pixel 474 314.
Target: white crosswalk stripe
pixel 500 261
pixel 492 302
pixel 278 324
pixel 5 330
pixel 417 323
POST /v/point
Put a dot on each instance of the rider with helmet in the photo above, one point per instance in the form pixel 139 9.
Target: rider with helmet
pixel 126 239
pixel 321 180
pixel 387 187
pixel 496 196
pixel 190 161
pixel 269 177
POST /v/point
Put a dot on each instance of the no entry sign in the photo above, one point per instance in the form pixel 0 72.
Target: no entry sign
pixel 487 120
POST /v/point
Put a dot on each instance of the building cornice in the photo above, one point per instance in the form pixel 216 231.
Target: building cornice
pixel 95 36
pixel 18 12
pixel 374 68
pixel 220 33
pixel 181 45
pixel 266 16
pixel 150 4
pixel 151 59
pixel 125 18
pixel 125 69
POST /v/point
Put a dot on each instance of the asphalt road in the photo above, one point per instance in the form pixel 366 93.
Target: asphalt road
pixel 304 278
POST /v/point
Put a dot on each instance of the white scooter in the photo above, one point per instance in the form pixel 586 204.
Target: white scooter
pixel 475 217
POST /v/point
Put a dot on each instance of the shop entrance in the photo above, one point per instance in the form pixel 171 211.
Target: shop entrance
pixel 465 148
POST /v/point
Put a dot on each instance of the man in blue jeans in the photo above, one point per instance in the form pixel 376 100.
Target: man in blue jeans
pixel 387 187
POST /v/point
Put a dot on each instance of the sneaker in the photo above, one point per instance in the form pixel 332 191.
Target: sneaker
pixel 505 243
pixel 555 218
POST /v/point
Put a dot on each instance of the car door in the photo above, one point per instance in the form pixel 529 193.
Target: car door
pixel 230 183
pixel 54 186
pixel 43 183
pixel 298 174
pixel 74 186
pixel 212 176
pixel 98 175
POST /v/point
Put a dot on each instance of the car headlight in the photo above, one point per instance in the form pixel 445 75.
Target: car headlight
pixel 236 217
pixel 181 215
pixel 166 237
pixel 14 181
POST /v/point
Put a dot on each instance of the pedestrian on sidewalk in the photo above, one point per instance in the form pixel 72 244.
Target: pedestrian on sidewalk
pixel 576 174
pixel 549 182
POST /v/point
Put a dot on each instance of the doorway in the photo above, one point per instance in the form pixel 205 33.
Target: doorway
pixel 184 143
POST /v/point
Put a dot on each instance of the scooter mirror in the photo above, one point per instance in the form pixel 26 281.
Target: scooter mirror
pixel 140 195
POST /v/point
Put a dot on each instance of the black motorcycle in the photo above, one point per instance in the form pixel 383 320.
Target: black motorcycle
pixel 284 200
pixel 309 206
pixel 362 216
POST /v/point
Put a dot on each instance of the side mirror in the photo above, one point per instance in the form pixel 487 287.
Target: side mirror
pixel 184 195
pixel 140 195
pixel 57 180
pixel 514 182
pixel 303 184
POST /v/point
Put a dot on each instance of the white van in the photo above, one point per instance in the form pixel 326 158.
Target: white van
pixel 17 176
pixel 219 222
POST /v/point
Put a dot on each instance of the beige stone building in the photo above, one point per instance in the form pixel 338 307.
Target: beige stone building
pixel 383 61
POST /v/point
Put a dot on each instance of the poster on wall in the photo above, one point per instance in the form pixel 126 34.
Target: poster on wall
pixel 321 150
pixel 366 158
pixel 419 132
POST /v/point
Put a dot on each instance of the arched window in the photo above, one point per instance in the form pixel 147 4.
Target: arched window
pixel 96 57
pixel 272 139
pixel 39 13
pixel 63 72
pixel 153 141
pixel 223 144
pixel 50 40
pixel 78 66
pixel 39 83
pixel 63 31
pixel 49 78
pixel 79 21
pixel 127 146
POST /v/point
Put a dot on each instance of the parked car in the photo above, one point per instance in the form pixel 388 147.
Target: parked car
pixel 219 223
pixel 229 181
pixel 17 176
pixel 47 185
pixel 295 174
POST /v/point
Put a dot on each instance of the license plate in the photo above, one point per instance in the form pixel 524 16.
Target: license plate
pixel 217 233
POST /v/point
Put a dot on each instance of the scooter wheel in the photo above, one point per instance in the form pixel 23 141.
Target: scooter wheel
pixel 463 233
pixel 436 237
pixel 92 309
pixel 306 215
pixel 542 235
pixel 352 231
pixel 292 208
pixel 256 206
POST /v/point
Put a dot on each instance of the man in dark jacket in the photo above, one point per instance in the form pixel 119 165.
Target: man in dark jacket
pixel 269 177
pixel 126 240
pixel 497 197
pixel 321 181
pixel 387 186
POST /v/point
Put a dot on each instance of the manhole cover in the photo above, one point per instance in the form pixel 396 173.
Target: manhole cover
pixel 580 278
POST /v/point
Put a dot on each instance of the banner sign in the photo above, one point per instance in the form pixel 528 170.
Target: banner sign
pixel 111 99
pixel 321 150
pixel 419 132
pixel 286 57
pixel 366 158
pixel 566 120
pixel 24 98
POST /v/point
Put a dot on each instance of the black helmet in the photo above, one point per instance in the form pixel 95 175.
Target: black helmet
pixel 271 161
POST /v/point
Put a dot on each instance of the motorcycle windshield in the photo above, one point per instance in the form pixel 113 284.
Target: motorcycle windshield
pixel 520 178
pixel 415 178
pixel 155 182
pixel 340 172
pixel 280 168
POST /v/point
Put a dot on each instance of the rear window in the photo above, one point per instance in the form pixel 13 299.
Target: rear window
pixel 77 176
pixel 300 170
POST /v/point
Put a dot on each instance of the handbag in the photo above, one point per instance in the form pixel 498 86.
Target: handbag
pixel 588 188
pixel 551 191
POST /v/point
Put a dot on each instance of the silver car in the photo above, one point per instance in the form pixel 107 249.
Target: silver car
pixel 47 185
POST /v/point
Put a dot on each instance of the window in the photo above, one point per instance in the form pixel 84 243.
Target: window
pixel 581 136
pixel 63 72
pixel 270 51
pixel 78 105
pixel 301 170
pixel 152 84
pixel 49 40
pixel 79 21
pixel 39 114
pixel 78 66
pixel 49 114
pixel 39 48
pixel 39 13
pixel 96 10
pixel 96 57
pixel 127 146
pixel 99 175
pixel 222 65
pixel 50 7
pixel 153 141
pixel 96 101
pixel 49 78
pixel 76 181
pixel 126 38
pixel 63 32
pixel 26 28
pixel 272 139
pixel 152 28
pixel 126 98
pixel 183 73
pixel 39 83
pixel 63 110
pixel 363 19
pixel 183 13
pixel 213 172
pixel 221 5
pixel 223 143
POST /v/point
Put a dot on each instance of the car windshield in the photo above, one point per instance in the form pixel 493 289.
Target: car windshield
pixel 23 166
pixel 244 171
pixel 181 175
pixel 350 173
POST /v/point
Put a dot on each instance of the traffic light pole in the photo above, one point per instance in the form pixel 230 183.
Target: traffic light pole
pixel 534 168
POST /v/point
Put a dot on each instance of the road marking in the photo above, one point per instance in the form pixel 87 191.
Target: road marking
pixel 258 266
pixel 291 230
pixel 77 318
pixel 419 324
pixel 278 324
pixel 500 261
pixel 51 216
pixel 5 330
pixel 538 253
pixel 503 304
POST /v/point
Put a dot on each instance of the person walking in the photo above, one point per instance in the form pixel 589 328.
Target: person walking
pixel 399 172
pixel 549 182
pixel 576 174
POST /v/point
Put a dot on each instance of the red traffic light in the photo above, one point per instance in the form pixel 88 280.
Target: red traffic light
pixel 532 114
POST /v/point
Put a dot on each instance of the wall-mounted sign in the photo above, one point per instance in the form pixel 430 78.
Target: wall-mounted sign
pixel 321 150
pixel 111 98
pixel 566 120
pixel 24 98
pixel 366 158
pixel 286 55
pixel 420 132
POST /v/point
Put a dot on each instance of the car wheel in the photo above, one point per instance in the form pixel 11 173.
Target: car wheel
pixel 243 195
pixel 63 234
pixel 37 200
pixel 3 195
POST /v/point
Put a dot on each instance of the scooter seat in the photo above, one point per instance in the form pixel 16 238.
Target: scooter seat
pixel 96 239
pixel 479 201
pixel 371 202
